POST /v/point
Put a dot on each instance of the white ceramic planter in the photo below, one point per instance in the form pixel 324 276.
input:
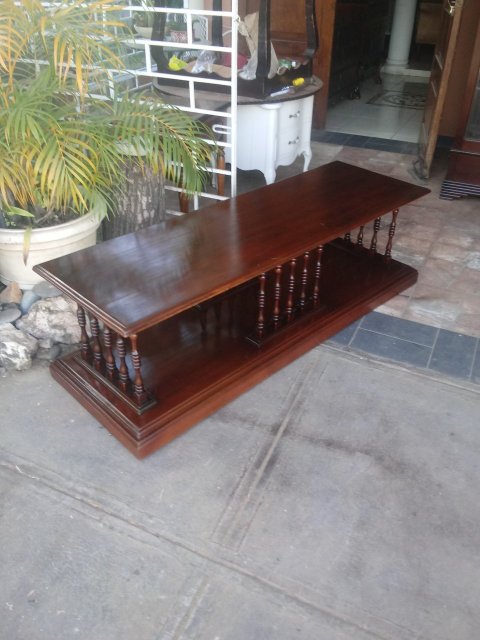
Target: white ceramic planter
pixel 144 32
pixel 45 244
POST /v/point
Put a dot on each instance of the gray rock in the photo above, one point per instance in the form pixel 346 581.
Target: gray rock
pixel 54 318
pixel 9 315
pixel 28 298
pixel 46 290
pixel 46 343
pixel 11 293
pixel 49 354
pixel 16 348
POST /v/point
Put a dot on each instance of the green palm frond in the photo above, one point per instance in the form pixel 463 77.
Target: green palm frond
pixel 69 36
pixel 62 148
pixel 169 139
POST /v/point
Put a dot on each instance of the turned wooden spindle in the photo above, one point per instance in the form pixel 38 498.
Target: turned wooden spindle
pixel 138 387
pixel 391 234
pixel 84 340
pixel 108 353
pixel 123 376
pixel 347 237
pixel 360 236
pixel 318 271
pixel 221 176
pixel 183 202
pixel 376 229
pixel 304 280
pixel 277 292
pixel 291 289
pixel 261 306
pixel 96 345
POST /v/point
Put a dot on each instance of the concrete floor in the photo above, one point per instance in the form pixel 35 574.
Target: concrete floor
pixel 338 500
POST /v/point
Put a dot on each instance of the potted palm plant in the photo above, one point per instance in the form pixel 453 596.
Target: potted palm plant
pixel 64 129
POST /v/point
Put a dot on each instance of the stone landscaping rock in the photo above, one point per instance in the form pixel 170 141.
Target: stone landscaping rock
pixel 11 293
pixel 54 318
pixel 10 314
pixel 49 354
pixel 28 298
pixel 37 323
pixel 46 290
pixel 46 343
pixel 16 348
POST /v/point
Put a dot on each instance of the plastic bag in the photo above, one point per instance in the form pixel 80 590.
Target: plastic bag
pixel 204 62
pixel 249 71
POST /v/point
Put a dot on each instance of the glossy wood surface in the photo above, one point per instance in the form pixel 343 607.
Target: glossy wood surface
pixel 198 310
pixel 136 281
pixel 193 371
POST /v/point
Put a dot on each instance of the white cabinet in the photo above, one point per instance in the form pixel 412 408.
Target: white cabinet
pixel 273 134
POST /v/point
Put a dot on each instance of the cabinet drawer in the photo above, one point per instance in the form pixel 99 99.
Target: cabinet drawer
pixel 289 144
pixel 291 115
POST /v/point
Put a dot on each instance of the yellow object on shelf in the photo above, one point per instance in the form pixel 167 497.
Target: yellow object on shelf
pixel 298 82
pixel 175 64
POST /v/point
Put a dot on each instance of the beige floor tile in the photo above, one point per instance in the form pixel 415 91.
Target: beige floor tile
pixel 440 238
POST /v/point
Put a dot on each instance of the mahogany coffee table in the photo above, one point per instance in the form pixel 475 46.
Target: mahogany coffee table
pixel 180 318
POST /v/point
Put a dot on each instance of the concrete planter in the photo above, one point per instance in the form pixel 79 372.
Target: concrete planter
pixel 45 244
pixel 144 32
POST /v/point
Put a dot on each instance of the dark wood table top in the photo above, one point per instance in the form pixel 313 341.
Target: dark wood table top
pixel 180 96
pixel 135 281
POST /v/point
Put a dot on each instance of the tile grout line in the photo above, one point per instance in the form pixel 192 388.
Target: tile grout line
pixel 433 349
pixel 354 334
pixel 389 335
pixel 475 352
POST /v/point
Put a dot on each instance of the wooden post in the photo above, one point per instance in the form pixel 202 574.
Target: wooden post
pixel 318 271
pixel 376 229
pixel 84 340
pixel 391 234
pixel 109 357
pixel 123 376
pixel 304 280
pixel 96 346
pixel 291 289
pixel 261 306
pixel 138 386
pixel 277 294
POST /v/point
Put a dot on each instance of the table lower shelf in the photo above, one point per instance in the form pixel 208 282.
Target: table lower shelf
pixel 196 362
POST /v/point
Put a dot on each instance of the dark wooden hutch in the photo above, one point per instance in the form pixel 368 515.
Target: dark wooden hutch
pixel 300 44
pixel 463 175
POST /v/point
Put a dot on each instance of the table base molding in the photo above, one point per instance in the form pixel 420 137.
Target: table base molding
pixel 196 362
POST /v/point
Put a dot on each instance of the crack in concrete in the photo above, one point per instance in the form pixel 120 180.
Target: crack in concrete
pixel 135 527
pixel 233 534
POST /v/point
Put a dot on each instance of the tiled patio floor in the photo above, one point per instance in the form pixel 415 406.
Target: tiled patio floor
pixel 440 238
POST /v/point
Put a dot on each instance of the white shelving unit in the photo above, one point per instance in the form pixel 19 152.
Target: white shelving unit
pixel 142 69
pixel 278 132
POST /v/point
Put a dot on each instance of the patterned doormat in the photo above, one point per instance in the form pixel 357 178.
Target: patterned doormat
pixel 411 97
